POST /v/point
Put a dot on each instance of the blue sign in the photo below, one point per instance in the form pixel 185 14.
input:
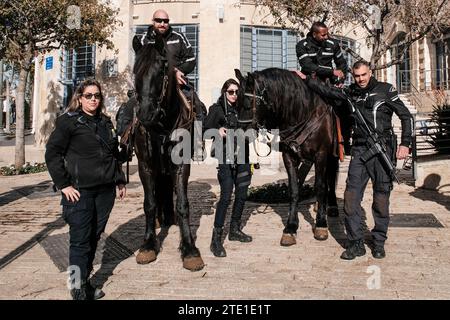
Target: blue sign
pixel 48 63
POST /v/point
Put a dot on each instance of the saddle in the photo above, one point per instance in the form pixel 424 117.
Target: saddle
pixel 293 137
pixel 191 108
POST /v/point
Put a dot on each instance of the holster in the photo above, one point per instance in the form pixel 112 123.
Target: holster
pixel 394 146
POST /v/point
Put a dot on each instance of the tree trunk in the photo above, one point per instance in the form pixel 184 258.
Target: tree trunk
pixel 8 110
pixel 20 119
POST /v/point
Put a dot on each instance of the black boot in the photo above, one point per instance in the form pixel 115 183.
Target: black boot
pixel 236 234
pixel 93 293
pixel 355 249
pixel 216 243
pixel 79 294
pixel 378 251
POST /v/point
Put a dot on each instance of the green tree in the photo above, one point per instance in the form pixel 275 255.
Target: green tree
pixel 32 27
pixel 376 17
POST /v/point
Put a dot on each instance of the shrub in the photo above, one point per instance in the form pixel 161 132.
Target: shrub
pixel 440 139
pixel 276 193
pixel 26 169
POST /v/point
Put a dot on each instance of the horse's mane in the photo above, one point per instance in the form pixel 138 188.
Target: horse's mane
pixel 288 95
pixel 149 73
pixel 145 63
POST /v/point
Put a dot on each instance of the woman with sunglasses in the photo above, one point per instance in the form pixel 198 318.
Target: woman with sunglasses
pixel 82 159
pixel 232 171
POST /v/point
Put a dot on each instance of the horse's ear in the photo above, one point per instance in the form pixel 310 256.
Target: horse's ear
pixel 250 78
pixel 137 44
pixel 238 74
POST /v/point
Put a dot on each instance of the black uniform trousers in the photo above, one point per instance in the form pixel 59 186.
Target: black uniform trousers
pixel 359 174
pixel 239 176
pixel 87 220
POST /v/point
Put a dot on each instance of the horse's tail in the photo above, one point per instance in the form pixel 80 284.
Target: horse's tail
pixel 338 140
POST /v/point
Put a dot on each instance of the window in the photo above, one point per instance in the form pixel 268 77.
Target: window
pixel 77 65
pixel 263 48
pixel 351 44
pixel 443 65
pixel 403 72
pixel 191 33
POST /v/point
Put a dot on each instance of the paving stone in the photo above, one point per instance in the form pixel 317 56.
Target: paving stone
pixel 416 266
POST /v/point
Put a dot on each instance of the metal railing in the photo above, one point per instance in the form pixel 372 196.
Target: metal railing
pixel 432 79
pixel 430 137
pixel 415 97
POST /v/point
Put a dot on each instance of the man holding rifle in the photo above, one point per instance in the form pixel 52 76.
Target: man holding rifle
pixel 374 153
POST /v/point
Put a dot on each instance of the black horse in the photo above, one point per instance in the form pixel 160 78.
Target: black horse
pixel 278 99
pixel 160 112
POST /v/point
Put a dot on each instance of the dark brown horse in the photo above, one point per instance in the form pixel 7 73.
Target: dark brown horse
pixel 159 113
pixel 278 99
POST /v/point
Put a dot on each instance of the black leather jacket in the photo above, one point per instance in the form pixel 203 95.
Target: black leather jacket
pixel 217 117
pixel 75 156
pixel 377 102
pixel 315 57
pixel 179 51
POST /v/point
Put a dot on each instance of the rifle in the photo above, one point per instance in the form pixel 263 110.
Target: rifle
pixel 375 143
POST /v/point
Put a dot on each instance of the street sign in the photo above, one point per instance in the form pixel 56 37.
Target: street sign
pixel 48 63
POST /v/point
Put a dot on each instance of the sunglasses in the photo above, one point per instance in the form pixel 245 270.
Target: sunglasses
pixel 89 96
pixel 232 92
pixel 160 20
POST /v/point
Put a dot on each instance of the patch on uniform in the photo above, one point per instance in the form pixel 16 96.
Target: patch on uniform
pixel 414 220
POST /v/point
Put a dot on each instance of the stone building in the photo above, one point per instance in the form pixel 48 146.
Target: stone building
pixel 226 34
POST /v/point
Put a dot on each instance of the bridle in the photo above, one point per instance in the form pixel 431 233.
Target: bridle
pixel 257 100
pixel 165 83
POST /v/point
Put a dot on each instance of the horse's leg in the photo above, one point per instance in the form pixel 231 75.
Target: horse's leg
pixel 159 195
pixel 189 253
pixel 291 164
pixel 168 209
pixel 303 171
pixel 332 171
pixel 148 251
pixel 164 195
pixel 321 229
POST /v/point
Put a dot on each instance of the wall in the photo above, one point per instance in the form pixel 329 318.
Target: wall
pixel 115 87
pixel 219 47
pixel 49 96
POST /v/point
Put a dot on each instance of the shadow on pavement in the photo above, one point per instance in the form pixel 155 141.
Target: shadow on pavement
pixel 336 225
pixel 18 193
pixel 431 190
pixel 126 240
pixel 16 253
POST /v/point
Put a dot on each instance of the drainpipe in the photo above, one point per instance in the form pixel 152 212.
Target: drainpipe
pixel 36 99
pixel 1 96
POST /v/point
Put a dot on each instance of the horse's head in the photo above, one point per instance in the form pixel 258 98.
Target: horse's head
pixel 153 78
pixel 252 103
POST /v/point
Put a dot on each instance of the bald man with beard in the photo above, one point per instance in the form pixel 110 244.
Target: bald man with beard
pixel 179 51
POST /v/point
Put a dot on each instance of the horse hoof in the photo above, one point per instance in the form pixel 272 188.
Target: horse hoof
pixel 193 263
pixel 321 234
pixel 333 212
pixel 287 240
pixel 146 256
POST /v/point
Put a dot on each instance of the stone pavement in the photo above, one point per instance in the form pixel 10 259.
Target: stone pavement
pixel 33 248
